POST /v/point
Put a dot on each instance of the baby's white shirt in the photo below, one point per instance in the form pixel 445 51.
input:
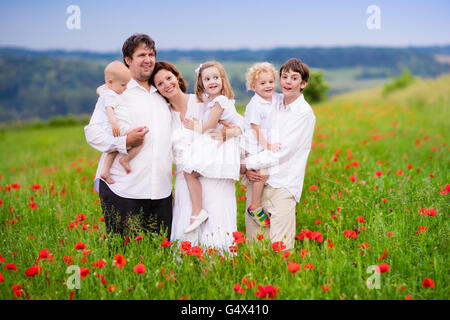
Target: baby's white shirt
pixel 110 98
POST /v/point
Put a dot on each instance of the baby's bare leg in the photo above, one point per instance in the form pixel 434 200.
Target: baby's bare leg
pixel 125 160
pixel 257 189
pixel 195 191
pixel 109 159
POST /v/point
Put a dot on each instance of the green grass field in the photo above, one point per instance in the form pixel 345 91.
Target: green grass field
pixel 374 199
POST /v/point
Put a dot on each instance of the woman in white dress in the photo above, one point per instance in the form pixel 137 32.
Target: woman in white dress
pixel 219 195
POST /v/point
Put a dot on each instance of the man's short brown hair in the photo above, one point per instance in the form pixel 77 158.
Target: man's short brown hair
pixel 296 65
pixel 133 42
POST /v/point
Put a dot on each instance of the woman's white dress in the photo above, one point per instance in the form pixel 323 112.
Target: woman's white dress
pixel 218 195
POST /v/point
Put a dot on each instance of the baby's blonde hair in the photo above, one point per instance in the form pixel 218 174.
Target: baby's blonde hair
pixel 255 71
pixel 227 91
pixel 116 70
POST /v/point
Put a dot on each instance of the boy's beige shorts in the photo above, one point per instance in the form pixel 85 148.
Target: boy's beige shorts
pixel 280 204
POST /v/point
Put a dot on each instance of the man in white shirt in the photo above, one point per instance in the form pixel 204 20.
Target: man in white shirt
pixel 293 127
pixel 143 197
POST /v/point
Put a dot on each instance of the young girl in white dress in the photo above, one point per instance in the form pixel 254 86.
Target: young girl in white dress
pixel 207 157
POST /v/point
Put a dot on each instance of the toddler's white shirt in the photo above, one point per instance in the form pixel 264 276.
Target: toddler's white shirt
pixel 258 111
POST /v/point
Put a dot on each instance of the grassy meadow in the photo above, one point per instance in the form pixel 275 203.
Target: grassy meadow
pixel 372 222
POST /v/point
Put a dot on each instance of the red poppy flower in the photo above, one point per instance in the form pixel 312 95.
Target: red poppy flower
pixel 382 268
pixel 378 174
pixel 139 268
pixel 119 261
pixel 185 246
pixel 233 248
pixel 238 237
pixel 112 288
pixel 165 243
pixel 308 266
pixel 34 270
pixel 350 234
pixel 99 263
pixel 10 266
pixel 238 289
pixel 68 260
pixel 421 229
pixel 32 205
pixel 195 251
pixel 383 256
pixel 278 246
pixel 80 246
pixel 267 290
pixel 360 219
pixel 17 289
pixel 316 235
pixel 293 267
pixel 428 212
pixel 84 272
pixel 45 254
pixel 1 278
pixel 325 288
pixel 428 283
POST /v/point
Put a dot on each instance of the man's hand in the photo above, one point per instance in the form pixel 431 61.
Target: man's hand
pixel 136 136
pixel 275 147
pixel 253 176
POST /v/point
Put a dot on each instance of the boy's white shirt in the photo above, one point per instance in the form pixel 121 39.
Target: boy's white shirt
pixel 293 127
pixel 151 169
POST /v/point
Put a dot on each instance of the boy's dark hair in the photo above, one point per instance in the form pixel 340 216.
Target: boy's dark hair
pixel 133 42
pixel 296 65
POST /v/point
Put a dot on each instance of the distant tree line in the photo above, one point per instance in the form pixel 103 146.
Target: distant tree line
pixel 48 83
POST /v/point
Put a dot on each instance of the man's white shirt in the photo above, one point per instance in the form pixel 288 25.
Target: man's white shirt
pixel 151 169
pixel 293 127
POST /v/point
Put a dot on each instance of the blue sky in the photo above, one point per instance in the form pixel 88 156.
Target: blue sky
pixel 230 24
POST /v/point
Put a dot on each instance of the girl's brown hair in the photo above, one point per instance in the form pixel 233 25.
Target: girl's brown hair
pixel 227 91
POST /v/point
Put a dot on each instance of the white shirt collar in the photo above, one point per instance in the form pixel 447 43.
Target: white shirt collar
pixel 260 100
pixel 295 105
pixel 133 83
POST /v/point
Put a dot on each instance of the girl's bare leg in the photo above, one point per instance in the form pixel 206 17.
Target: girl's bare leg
pixel 195 191
pixel 109 159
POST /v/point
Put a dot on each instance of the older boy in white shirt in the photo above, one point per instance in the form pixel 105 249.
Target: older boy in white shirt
pixel 146 192
pixel 293 127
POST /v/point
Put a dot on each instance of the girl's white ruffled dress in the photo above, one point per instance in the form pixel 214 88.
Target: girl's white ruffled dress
pixel 218 195
pixel 211 158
